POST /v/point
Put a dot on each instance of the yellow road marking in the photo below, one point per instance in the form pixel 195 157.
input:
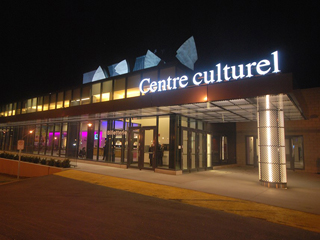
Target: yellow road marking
pixel 293 218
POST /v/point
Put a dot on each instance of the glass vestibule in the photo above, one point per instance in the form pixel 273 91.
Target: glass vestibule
pixel 111 140
pixel 108 140
pixel 142 147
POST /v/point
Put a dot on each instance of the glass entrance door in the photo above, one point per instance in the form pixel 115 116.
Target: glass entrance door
pixel 142 150
pixel 134 135
pixel 294 152
pixel 193 154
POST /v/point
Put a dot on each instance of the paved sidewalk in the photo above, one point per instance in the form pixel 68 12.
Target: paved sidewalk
pixel 303 193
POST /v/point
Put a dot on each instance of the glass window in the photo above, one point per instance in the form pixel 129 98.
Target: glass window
pixel 64 134
pixel 49 139
pixel 33 106
pixel 102 138
pixel 18 108
pixel 5 110
pixel 60 100
pixel 46 103
pixel 106 91
pixel 15 137
pixel 29 138
pixel 250 150
pixel 72 140
pixel 119 88
pixel 40 103
pixel 163 139
pixel 184 122
pixel 83 140
pixel 56 139
pixel 185 149
pixel 133 86
pixel 192 123
pixel 29 105
pixel 224 148
pixel 67 98
pixel 14 109
pixel 42 140
pixel 193 150
pixel 24 107
pixel 294 152
pixel 9 109
pixel 53 101
pixel 200 125
pixel 142 122
pixel 36 139
pixel 95 91
pixel 75 97
pixel 201 156
pixel 97 149
pixel 86 95
pixel 208 150
pixel 117 140
pixel 126 127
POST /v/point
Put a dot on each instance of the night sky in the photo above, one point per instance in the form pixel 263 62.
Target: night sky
pixel 48 45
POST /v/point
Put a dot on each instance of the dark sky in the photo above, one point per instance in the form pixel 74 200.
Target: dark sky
pixel 48 45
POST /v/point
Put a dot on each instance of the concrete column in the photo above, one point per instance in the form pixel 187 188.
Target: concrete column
pixel 272 154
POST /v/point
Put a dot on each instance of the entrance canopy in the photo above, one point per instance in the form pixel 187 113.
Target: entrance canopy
pixel 237 110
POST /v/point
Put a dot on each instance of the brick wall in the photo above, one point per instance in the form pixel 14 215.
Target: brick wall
pixel 309 129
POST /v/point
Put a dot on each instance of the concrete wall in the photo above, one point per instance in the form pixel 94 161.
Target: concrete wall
pixel 26 169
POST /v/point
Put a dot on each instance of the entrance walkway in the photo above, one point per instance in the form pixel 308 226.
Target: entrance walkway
pixel 303 193
pixel 235 190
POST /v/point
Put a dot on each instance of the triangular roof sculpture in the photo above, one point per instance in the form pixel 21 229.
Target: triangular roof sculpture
pixel 119 68
pixel 187 53
pixel 146 61
pixel 99 74
pixel 94 75
pixel 151 60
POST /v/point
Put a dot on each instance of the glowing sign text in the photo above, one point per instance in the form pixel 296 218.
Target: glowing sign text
pixel 217 75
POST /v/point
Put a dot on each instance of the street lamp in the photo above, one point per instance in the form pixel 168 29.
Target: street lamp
pixel 21 147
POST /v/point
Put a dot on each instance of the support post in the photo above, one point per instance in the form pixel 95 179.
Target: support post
pixel 18 175
pixel 271 143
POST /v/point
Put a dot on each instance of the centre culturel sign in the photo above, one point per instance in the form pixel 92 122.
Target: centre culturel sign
pixel 216 75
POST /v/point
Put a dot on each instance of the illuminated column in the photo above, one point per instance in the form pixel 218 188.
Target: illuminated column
pixel 272 154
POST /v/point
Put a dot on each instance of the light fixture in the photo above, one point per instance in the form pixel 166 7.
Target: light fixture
pixel 89 124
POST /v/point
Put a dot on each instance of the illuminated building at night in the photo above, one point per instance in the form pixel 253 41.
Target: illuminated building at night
pixel 170 118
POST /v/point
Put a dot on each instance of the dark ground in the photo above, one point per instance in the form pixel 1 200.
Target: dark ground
pixel 54 207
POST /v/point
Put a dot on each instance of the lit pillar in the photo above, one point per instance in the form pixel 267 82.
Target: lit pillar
pixel 272 154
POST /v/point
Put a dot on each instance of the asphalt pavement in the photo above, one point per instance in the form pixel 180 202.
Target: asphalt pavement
pixel 95 201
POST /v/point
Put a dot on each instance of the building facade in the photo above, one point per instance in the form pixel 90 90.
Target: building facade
pixel 172 119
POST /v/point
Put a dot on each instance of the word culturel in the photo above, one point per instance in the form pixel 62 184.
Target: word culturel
pixel 207 77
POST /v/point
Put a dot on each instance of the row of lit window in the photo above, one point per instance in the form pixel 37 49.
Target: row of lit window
pixel 125 87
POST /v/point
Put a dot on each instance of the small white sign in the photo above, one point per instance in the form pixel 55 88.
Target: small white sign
pixel 20 145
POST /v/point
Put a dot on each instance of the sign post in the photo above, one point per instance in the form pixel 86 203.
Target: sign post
pixel 20 147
